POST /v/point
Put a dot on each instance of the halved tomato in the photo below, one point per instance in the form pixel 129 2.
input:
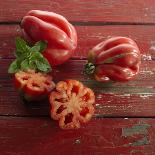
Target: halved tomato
pixel 33 85
pixel 72 104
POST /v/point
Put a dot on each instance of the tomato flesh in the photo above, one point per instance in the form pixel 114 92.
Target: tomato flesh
pixel 71 104
pixel 33 85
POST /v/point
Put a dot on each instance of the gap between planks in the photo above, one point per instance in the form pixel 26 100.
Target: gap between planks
pixel 82 10
pixel 95 116
pixel 87 23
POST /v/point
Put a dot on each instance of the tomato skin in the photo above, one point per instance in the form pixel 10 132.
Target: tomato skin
pixel 33 86
pixel 57 56
pixel 116 59
pixel 55 29
pixel 71 104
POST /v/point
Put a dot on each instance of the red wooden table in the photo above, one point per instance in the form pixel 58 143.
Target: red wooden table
pixel 123 123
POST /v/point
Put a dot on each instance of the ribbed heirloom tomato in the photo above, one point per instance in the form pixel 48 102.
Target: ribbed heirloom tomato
pixel 33 85
pixel 116 59
pixel 71 104
pixel 55 29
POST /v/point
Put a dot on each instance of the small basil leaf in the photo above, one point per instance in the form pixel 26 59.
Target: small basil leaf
pixel 39 46
pixel 14 67
pixel 35 56
pixel 28 48
pixel 19 53
pixel 25 64
pixel 32 64
pixel 43 65
pixel 21 47
pixel 40 62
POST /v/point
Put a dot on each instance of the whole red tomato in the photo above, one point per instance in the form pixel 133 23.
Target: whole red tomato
pixel 115 59
pixel 33 86
pixel 55 29
pixel 71 104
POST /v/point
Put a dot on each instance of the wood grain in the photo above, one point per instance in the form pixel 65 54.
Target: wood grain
pixel 133 11
pixel 88 37
pixel 135 98
pixel 29 136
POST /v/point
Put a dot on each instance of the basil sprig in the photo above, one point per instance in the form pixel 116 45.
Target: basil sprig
pixel 29 57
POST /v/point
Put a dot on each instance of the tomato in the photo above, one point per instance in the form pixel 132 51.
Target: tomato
pixel 55 29
pixel 33 85
pixel 116 59
pixel 71 104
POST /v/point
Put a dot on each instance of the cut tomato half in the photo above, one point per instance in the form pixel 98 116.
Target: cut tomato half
pixel 33 85
pixel 72 104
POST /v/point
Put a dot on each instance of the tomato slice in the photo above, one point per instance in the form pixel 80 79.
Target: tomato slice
pixel 33 85
pixel 71 104
pixel 21 78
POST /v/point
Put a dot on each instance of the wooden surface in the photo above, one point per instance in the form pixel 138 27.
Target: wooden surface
pixel 139 11
pixel 123 123
pixel 101 136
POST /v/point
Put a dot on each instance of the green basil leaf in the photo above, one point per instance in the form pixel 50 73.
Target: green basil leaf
pixel 25 65
pixel 43 65
pixel 19 53
pixel 14 67
pixel 35 55
pixel 32 64
pixel 21 47
pixel 29 57
pixel 39 46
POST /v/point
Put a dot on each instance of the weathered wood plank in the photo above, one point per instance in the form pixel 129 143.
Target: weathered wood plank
pixel 135 98
pixel 109 136
pixel 107 105
pixel 75 69
pixel 89 36
pixel 107 10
